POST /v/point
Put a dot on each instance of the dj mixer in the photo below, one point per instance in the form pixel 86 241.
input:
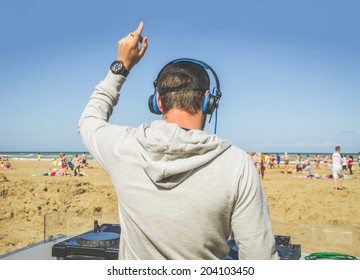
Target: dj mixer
pixel 102 243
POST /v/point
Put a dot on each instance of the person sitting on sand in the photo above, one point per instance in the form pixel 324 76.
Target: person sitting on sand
pixel 299 168
pixel 78 172
pixel 308 171
pixel 52 172
pixel 70 165
pixel 3 158
pixel 6 166
pixel 288 171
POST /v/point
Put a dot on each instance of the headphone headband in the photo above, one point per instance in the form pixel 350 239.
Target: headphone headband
pixel 195 61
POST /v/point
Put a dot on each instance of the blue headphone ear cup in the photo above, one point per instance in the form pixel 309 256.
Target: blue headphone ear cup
pixel 211 105
pixel 153 107
pixel 205 107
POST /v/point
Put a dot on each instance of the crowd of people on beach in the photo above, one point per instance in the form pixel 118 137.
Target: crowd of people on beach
pixel 304 166
pixel 262 161
pixel 66 167
pixel 62 166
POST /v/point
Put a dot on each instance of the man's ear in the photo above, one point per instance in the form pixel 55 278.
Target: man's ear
pixel 159 103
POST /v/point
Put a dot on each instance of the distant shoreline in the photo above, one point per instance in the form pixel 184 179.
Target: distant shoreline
pixel 31 155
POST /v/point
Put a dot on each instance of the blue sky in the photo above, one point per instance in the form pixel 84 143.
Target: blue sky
pixel 289 70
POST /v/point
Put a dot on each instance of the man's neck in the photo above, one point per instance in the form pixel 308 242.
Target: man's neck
pixel 184 119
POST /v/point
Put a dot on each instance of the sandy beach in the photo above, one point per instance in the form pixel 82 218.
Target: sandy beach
pixel 310 211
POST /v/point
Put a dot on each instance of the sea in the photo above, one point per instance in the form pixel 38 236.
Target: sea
pixel 54 155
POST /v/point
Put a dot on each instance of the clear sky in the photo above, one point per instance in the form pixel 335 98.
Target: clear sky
pixel 289 70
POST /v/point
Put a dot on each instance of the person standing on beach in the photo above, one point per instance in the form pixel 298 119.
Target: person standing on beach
pixel 76 163
pixel 326 161
pixel 257 159
pixel 83 160
pixel 317 161
pixel 306 161
pixel 278 160
pixel 263 166
pixel 298 163
pixel 266 158
pixel 286 160
pixel 344 163
pixel 272 162
pixel 181 191
pixel 337 171
pixel 350 163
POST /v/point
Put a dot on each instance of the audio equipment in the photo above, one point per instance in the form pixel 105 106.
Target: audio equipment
pixel 212 97
pixel 285 249
pixel 102 243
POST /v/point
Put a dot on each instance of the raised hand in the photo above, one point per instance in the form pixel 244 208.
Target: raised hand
pixel 128 47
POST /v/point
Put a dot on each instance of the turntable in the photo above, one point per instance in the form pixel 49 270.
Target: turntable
pixel 102 243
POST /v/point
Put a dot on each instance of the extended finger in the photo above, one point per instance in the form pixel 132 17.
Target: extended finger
pixel 140 28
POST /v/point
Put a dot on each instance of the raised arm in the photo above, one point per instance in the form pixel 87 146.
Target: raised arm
pixel 93 123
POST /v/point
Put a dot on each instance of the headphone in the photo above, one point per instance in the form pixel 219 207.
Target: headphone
pixel 212 98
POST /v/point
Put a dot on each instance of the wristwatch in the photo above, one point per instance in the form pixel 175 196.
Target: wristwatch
pixel 118 68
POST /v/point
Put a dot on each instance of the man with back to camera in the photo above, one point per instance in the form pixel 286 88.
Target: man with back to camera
pixel 180 190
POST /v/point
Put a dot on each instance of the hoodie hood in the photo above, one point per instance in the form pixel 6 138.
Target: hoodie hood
pixel 169 154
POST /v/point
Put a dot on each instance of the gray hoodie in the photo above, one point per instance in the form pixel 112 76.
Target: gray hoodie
pixel 180 193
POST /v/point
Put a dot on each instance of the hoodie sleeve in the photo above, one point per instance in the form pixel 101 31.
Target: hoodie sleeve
pixel 93 125
pixel 250 220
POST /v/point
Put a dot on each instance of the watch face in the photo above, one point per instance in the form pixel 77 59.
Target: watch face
pixel 116 67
